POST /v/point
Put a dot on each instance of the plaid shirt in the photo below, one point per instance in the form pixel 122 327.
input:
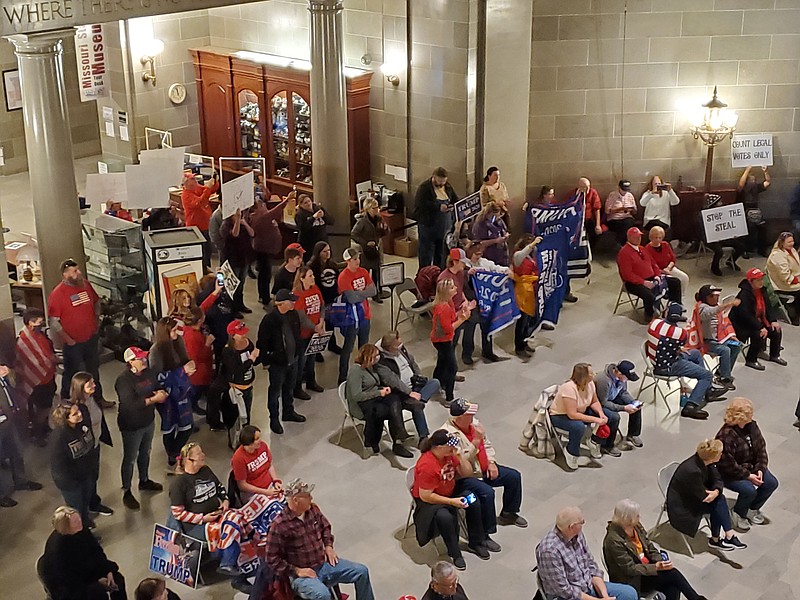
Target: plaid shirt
pixel 744 451
pixel 566 567
pixel 293 542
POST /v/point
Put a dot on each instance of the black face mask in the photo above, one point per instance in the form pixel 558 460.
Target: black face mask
pixel 39 328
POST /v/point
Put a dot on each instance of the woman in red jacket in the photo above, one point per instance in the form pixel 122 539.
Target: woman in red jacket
pixel 445 321
pixel 199 348
pixel 310 308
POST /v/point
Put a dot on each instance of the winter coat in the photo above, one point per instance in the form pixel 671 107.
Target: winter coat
pixel 686 491
pixel 622 560
pixel 743 317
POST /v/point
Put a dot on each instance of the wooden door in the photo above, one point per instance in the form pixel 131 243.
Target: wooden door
pixel 215 104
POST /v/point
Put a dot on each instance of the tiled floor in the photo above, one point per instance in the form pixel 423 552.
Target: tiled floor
pixel 367 502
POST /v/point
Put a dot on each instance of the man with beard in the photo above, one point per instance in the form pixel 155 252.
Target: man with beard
pixel 73 307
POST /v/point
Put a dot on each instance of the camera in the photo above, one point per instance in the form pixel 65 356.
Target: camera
pixel 662 187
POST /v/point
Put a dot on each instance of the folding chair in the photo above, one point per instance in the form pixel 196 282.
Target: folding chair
pixel 632 300
pixel 410 312
pixel 657 380
pixel 462 519
pixel 353 420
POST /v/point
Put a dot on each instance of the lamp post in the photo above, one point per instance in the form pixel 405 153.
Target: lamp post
pixel 713 123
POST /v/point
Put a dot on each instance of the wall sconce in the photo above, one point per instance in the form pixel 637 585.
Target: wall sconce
pixel 150 50
pixel 392 72
pixel 712 123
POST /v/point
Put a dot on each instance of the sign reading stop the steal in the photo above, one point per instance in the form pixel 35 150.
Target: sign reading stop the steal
pixel 724 223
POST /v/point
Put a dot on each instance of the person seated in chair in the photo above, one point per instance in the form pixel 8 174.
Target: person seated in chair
pixel 300 547
pixel 755 319
pixel 612 390
pixel 696 490
pixel 632 558
pixel 783 268
pixel 486 473
pixel 641 275
pixel 719 336
pixel 444 583
pixel 397 368
pixel 74 566
pixel 252 465
pixel 368 399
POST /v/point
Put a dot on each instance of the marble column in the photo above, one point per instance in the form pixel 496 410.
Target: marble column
pixel 49 145
pixel 329 113
pixel 6 310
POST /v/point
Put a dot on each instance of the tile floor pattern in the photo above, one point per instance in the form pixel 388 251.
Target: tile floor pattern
pixel 367 502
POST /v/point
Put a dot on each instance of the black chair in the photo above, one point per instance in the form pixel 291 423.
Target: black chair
pixel 40 575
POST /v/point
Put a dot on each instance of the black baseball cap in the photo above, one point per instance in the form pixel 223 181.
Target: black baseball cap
pixel 285 295
pixel 624 184
pixel 70 262
pixel 706 291
pixel 626 367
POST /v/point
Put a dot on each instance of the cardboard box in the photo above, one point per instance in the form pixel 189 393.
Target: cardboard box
pixel 405 247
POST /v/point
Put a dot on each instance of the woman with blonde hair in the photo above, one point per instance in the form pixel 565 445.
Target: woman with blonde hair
pixel 491 231
pixel 743 465
pixel 696 490
pixel 664 257
pixel 783 268
pixel 181 304
pixel 576 408
pixel 446 319
pixel 657 200
pixel 367 233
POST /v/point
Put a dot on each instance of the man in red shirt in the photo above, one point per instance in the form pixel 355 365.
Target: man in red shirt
pixel 197 209
pixel 641 275
pixel 73 307
pixel 252 465
pixel 36 373
pixel 356 285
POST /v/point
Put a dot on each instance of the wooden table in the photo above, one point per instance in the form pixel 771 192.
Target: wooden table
pixel 31 293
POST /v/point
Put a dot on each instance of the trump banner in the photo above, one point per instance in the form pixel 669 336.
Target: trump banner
pixel 547 219
pixel 175 555
pixel 551 258
pixel 496 301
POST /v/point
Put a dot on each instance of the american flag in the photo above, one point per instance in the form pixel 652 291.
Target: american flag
pixel 81 297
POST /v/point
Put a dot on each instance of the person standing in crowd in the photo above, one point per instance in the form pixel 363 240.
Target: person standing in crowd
pixel 756 321
pixel 300 547
pixel 278 343
pixel 199 349
pixel 13 478
pixel 181 304
pixel 214 227
pixel 168 358
pixel 197 208
pixel 444 583
pixel 73 307
pixel 493 189
pixel 696 490
pixel 783 268
pixel 236 367
pixel 748 191
pixel 476 262
pixel 74 565
pixel 744 464
pixel 72 462
pixel 490 230
pixel 434 201
pixel 567 569
pixel 486 474
pixel 310 309
pixel 267 241
pixel 718 333
pixel 657 201
pixel 36 373
pixel 356 287
pixel 525 273
pixel 217 305
pixel 237 236
pixel 446 319
pixel 576 407
pixel 312 222
pixel 661 253
pixel 138 392
pixel 456 271
pixel 292 260
pixel 326 274
pixel 631 558
pixel 621 211
pixel 252 465
pixel 612 391
pixel 367 233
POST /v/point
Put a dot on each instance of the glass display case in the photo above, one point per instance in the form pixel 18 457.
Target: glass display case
pixel 114 258
pixel 302 138
pixel 280 136
pixel 249 115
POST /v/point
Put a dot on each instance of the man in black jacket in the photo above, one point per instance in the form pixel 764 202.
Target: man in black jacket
pixel 433 204
pixel 755 319
pixel 278 344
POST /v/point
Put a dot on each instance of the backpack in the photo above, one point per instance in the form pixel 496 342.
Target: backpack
pixel 426 282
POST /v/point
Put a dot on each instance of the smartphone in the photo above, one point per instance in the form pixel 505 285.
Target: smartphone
pixel 220 279
pixel 664 556
pixel 662 187
pixel 636 403
pixel 469 498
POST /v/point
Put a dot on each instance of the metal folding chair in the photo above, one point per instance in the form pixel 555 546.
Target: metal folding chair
pixel 657 381
pixel 632 300
pixel 408 287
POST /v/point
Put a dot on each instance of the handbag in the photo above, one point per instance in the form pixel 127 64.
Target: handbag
pixel 418 381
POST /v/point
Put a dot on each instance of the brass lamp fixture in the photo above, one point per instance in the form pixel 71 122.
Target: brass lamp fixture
pixel 148 59
pixel 713 123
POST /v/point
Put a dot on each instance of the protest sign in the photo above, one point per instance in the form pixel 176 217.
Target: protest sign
pixel 724 222
pixel 238 193
pixel 468 207
pixel 318 343
pixel 231 280
pixel 175 555
pixel 751 150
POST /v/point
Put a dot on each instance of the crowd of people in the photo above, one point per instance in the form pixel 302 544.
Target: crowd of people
pixel 203 363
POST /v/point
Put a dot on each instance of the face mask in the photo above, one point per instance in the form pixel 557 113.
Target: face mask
pixel 39 328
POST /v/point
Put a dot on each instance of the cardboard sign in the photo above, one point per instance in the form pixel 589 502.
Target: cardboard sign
pixel 724 222
pixel 90 53
pixel 175 555
pixel 238 193
pixel 468 206
pixel 751 150
pixel 318 343
pixel 231 280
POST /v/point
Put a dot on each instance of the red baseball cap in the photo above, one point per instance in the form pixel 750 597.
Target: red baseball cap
pixel 296 246
pixel 134 353
pixel 634 230
pixel 237 328
pixel 754 273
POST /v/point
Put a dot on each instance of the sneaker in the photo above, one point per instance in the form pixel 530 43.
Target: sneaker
pixel 150 486
pixel 572 461
pixel 734 542
pixel 511 519
pixel 493 358
pixel 460 379
pixel 739 522
pixel 720 544
pixel 300 394
pixel 612 450
pixel 130 501
pixel 491 545
pixel 635 440
pixel 548 326
pixel 756 517
pixel 401 451
pixel 754 364
pixel 480 551
pixel 102 509
pixel 29 485
pixel 459 563
pixel 594 450
pixel 8 502
pixel 294 417
pixel 570 297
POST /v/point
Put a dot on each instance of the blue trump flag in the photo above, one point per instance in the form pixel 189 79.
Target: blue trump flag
pixel 551 257
pixel 496 301
pixel 545 219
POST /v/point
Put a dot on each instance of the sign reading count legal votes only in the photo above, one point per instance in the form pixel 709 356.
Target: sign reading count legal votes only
pixel 724 222
pixel 751 150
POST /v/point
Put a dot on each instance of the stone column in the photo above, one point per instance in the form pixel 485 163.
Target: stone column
pixel 49 146
pixel 329 112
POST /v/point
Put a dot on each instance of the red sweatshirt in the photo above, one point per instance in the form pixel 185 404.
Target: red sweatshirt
pixel 196 209
pixel 635 266
pixel 202 355
pixel 444 317
pixel 662 256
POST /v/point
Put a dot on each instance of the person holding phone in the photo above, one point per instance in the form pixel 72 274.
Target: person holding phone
pixel 612 390
pixel 631 557
pixel 438 496
pixel 446 319
pixel 657 200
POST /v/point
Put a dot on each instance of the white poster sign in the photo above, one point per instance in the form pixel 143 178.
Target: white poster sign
pixel 168 161
pixel 724 222
pixel 148 185
pixel 100 188
pixel 751 150
pixel 231 280
pixel 90 52
pixel 238 193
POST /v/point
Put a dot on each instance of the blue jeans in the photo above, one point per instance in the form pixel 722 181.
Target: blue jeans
pixel 620 591
pixel 727 352
pixel 750 496
pixel 577 429
pixel 426 391
pixel 511 481
pixel 350 334
pixel 718 515
pixel 431 249
pixel 345 571
pixel 11 450
pixel 690 364
pixel 136 445
pixel 228 557
pixel 485 495
pixel 78 495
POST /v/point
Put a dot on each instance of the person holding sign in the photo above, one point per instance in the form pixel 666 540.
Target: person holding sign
pixel 310 308
pixel 748 191
pixel 783 268
pixel 237 236
pixel 490 230
pixel 197 209
pixel 433 204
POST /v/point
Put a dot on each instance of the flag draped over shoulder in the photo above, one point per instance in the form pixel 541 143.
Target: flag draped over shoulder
pixel 495 295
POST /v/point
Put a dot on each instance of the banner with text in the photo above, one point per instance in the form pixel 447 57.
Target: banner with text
pixel 90 52
pixel 175 555
pixel 724 223
pixel 751 150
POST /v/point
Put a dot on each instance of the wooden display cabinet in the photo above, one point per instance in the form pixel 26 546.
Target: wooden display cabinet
pixel 254 109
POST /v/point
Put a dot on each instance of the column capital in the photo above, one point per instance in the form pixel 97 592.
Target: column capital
pixel 40 43
pixel 325 6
